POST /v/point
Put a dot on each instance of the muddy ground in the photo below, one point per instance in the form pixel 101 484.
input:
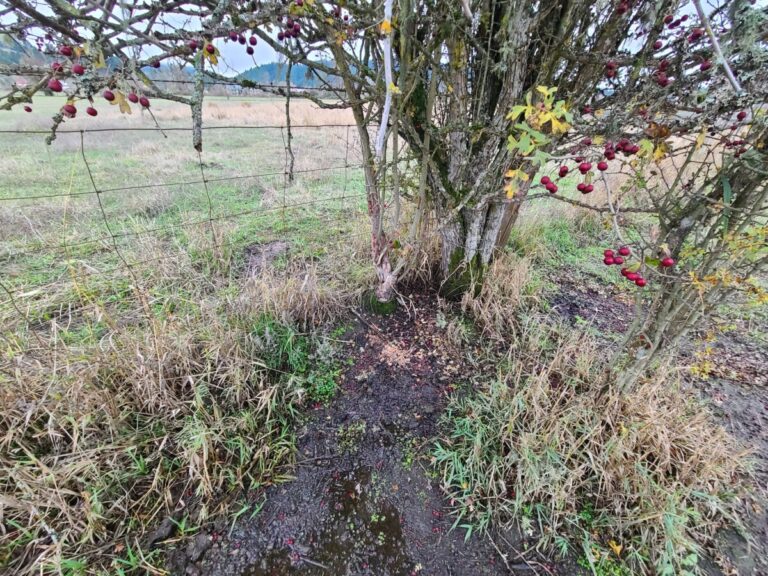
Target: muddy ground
pixel 363 501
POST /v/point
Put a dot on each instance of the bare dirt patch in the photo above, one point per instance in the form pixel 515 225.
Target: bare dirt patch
pixel 364 500
pixel 259 256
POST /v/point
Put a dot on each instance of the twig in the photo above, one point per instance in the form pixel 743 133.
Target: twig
pixel 716 46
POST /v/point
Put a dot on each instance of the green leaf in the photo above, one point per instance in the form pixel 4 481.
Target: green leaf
pixel 652 261
pixel 516 112
pixel 540 157
pixel 526 145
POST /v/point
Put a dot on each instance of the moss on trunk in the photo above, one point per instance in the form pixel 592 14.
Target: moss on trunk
pixel 462 275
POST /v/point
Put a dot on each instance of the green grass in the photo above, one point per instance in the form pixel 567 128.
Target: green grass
pixel 179 375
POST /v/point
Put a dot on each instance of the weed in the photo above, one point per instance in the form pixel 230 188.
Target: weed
pixel 350 436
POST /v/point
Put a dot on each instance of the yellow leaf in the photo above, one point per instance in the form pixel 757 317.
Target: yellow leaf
pixel 120 101
pixel 212 58
pixel 394 89
pixel 598 140
pixel 516 173
pixel 510 189
pixel 599 113
pixel 615 547
pixel 559 127
pixel 700 138
pixel 386 27
pixel 660 152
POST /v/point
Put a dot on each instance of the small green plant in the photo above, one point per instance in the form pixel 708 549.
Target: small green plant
pixel 349 436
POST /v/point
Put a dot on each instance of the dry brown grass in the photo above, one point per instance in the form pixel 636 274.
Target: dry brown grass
pixel 508 287
pixel 550 445
pixel 120 412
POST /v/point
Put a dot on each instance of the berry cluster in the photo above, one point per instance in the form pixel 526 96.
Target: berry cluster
pixel 584 167
pixel 620 256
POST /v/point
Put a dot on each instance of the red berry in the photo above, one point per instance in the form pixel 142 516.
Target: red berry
pixel 706 65
pixel 586 110
pixel 57 67
pixel 608 261
pixel 551 187
pixel 624 272
pixel 640 282
pixel 54 85
pixel 563 171
pixel 545 180
pixel 581 187
pixel 233 36
pixel 78 69
pixel 27 108
pixel 346 17
pixel 667 262
pixel 66 51
pixel 610 73
pixel 602 166
pixel 193 45
pixel 132 97
pixel 253 41
pixel 241 39
pixel 668 18
pixel 632 276
pixel 588 188
pixel 625 251
pixel 696 33
pixel 585 167
pixel 69 110
pixel 296 28
pixel 155 64
pixel 249 50
pixel 610 154
pixel 741 116
pixel 299 3
pixel 622 8
pixel 618 260
pixel 91 111
pixel 280 36
pixel 611 64
pixel 211 49
pixel 109 96
pixel 586 142
pixel 658 45
pixel 144 101
pixel 608 253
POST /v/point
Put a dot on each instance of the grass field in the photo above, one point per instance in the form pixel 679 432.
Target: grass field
pixel 162 339
pixel 108 299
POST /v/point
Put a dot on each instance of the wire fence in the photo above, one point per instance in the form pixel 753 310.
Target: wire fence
pixel 91 206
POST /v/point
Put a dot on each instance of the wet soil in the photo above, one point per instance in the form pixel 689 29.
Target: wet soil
pixel 364 501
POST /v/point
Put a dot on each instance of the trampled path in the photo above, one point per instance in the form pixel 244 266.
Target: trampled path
pixel 363 501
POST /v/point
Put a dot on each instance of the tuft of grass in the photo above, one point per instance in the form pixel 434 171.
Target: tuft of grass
pixel 510 286
pixel 549 444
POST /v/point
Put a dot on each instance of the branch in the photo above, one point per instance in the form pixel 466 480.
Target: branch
pixel 716 46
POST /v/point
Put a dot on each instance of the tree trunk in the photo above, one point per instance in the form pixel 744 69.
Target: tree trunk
pixel 470 239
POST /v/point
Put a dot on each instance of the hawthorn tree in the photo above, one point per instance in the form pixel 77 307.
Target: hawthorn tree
pixel 479 96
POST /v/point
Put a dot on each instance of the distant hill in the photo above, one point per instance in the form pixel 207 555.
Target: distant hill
pixel 276 72
pixel 14 52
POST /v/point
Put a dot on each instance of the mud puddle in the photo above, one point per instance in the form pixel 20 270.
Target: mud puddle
pixel 364 500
